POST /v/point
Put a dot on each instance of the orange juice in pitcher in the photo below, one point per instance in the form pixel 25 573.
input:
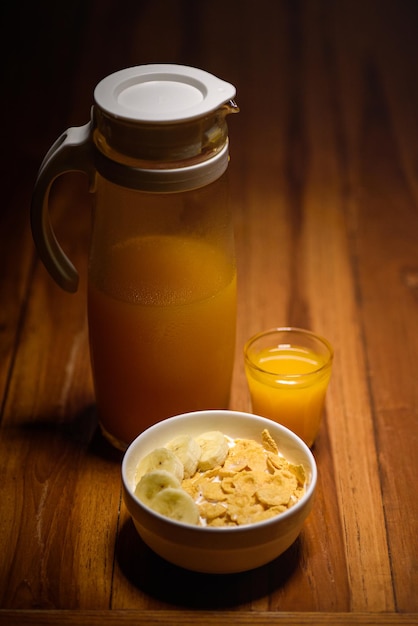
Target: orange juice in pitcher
pixel 174 333
pixel 162 272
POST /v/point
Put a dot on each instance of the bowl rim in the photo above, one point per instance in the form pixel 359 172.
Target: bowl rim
pixel 243 528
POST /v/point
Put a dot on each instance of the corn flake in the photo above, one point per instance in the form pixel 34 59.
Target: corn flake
pixel 254 483
pixel 268 442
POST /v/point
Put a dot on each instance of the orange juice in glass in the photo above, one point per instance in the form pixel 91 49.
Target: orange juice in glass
pixel 288 371
pixel 162 331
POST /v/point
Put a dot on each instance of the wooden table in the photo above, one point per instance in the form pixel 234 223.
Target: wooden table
pixel 324 182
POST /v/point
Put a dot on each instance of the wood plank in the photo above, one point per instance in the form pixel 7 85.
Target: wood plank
pixel 61 496
pixel 349 420
pixel 28 68
pixel 384 223
pixel 204 618
pixel 16 262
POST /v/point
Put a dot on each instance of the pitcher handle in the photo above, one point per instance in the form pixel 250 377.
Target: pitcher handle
pixel 71 152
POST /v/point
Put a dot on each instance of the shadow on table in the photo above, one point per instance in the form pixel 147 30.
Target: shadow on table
pixel 79 431
pixel 179 587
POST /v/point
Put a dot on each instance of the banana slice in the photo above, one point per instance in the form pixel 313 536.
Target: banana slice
pixel 176 504
pixel 158 459
pixel 153 482
pixel 188 451
pixel 214 449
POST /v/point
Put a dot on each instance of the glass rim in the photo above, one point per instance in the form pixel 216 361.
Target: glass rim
pixel 288 329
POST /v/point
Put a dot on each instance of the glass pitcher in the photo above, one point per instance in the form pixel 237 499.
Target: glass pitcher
pixel 162 271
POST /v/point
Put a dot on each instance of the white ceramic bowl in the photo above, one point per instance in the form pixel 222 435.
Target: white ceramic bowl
pixel 218 550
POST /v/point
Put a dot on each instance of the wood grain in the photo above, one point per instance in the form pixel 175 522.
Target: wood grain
pixel 324 190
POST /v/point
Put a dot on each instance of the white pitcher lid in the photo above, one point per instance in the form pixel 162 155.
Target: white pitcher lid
pixel 161 93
